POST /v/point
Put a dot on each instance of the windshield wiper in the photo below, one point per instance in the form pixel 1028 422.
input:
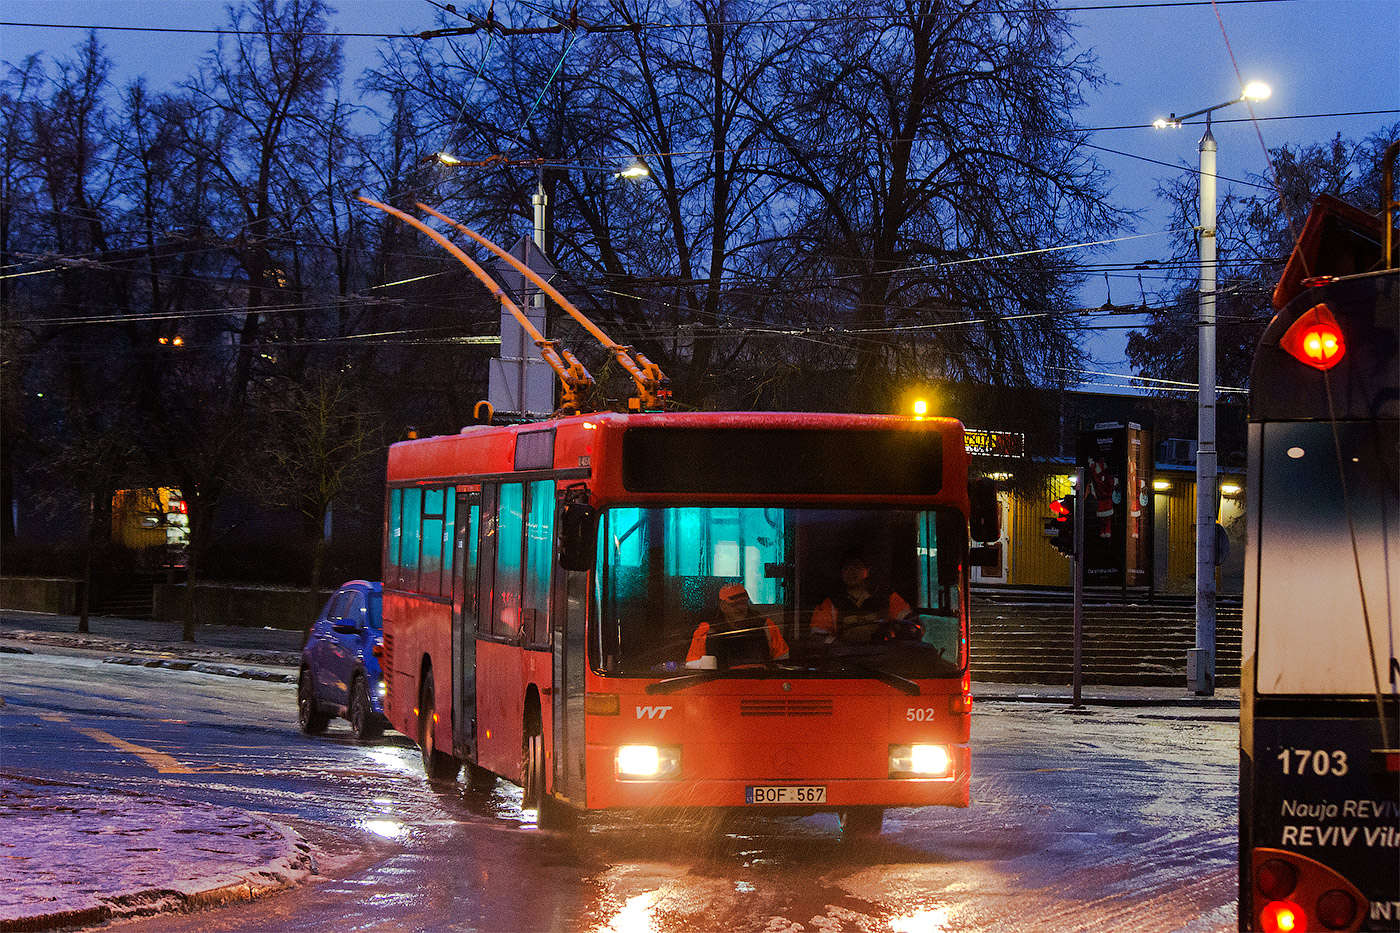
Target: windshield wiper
pixel 770 668
pixel 847 662
pixel 673 684
pixel 757 669
pixel 902 684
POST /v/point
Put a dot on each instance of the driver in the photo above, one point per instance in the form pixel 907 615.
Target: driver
pixel 851 612
pixel 739 635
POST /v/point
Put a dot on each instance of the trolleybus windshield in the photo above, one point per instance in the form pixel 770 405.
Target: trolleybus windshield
pixel 661 571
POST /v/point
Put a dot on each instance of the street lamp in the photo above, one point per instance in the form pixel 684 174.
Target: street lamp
pixel 540 201
pixel 1201 661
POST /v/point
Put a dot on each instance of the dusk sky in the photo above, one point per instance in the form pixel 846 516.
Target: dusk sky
pixel 1321 57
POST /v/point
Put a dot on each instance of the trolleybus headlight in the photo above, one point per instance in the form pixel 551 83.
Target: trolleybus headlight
pixel 647 762
pixel 920 761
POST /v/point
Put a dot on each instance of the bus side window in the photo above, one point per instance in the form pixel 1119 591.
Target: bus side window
pixel 430 566
pixel 539 562
pixel 412 537
pixel 393 576
pixel 510 531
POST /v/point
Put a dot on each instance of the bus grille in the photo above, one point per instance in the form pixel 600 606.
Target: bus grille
pixel 786 706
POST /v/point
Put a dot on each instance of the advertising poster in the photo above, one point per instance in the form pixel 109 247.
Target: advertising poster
pixel 1117 504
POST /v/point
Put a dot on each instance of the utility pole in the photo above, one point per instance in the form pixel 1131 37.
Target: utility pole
pixel 1077 571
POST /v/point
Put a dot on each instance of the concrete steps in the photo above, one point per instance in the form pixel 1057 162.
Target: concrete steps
pixel 125 596
pixel 1028 637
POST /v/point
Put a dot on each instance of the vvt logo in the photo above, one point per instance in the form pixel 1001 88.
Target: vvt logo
pixel 653 712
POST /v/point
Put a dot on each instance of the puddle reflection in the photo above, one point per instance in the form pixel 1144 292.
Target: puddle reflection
pixel 922 921
pixel 635 915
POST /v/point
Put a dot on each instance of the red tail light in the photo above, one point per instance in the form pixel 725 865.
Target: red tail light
pixel 1281 917
pixel 1315 338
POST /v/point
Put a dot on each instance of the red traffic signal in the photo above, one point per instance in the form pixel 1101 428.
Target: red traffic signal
pixel 1063 538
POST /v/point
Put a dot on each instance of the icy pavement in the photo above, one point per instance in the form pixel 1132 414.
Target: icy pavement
pixel 75 856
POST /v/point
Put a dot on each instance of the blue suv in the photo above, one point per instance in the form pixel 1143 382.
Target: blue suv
pixel 340 674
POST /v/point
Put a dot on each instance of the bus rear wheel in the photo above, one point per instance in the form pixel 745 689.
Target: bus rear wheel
pixel 438 766
pixel 858 822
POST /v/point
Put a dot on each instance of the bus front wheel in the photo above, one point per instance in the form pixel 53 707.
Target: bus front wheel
pixel 861 821
pixel 437 765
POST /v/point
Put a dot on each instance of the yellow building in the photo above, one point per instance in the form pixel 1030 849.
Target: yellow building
pixel 1028 558
pixel 150 518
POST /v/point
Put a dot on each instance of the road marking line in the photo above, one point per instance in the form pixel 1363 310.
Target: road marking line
pixel 53 717
pixel 162 762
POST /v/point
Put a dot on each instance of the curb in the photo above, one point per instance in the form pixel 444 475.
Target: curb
pixel 200 659
pixel 1116 702
pixel 202 667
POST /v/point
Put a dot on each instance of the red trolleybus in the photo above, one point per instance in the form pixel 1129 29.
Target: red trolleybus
pixel 544 584
pixel 1319 765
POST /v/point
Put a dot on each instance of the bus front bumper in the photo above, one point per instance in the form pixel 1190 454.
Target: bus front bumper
pixel 791 793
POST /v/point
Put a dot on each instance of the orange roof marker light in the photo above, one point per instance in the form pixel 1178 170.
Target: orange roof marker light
pixel 1315 338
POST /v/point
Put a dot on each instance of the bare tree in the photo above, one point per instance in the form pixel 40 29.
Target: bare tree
pixel 929 136
pixel 268 92
pixel 322 439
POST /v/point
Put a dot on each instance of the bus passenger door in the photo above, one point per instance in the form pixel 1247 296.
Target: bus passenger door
pixel 568 647
pixel 464 619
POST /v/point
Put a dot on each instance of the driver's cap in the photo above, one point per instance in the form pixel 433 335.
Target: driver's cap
pixel 733 591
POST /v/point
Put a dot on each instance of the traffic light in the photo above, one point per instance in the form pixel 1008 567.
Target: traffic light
pixel 1063 524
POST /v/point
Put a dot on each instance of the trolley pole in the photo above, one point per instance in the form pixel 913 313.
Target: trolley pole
pixel 1077 573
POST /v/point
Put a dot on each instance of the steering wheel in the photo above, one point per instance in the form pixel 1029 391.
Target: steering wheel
pixel 874 631
pixel 898 630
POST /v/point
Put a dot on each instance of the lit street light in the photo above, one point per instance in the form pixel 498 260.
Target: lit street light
pixel 1201 661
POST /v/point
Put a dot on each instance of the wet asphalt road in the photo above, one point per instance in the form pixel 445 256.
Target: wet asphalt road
pixel 1103 819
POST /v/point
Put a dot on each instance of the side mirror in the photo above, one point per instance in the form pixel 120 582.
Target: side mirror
pixel 984 512
pixel 952 544
pixel 578 536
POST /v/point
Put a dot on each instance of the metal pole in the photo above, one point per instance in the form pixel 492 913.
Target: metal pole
pixel 1077 568
pixel 1206 473
pixel 540 201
